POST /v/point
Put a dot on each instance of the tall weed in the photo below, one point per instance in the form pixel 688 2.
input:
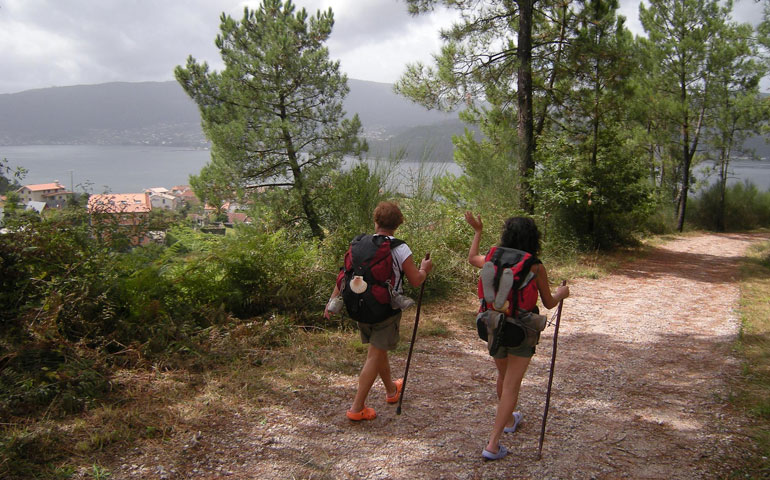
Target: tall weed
pixel 746 207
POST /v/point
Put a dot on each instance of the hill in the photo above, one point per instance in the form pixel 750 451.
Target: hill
pixel 160 113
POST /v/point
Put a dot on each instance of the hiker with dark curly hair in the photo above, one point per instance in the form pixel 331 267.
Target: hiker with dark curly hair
pixel 380 330
pixel 518 233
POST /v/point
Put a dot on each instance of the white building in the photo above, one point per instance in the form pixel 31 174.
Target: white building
pixel 53 194
pixel 163 201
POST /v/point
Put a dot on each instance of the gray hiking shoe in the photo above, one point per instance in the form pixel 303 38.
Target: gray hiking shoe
pixel 400 302
pixel 504 288
pixel 495 322
pixel 488 282
pixel 335 304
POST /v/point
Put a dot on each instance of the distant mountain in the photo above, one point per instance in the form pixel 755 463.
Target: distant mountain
pixel 161 113
pixel 153 113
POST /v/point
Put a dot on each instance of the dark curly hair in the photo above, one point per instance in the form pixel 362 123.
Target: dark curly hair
pixel 521 233
pixel 388 215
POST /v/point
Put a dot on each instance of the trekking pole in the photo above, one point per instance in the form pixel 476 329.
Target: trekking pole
pixel 411 345
pixel 550 376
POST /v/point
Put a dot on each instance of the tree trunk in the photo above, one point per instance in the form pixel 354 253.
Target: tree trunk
pixel 727 146
pixel 594 152
pixel 524 95
pixel 543 113
pixel 722 188
pixel 299 182
pixel 682 208
pixel 686 157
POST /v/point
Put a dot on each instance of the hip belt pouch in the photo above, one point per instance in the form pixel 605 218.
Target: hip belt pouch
pixel 510 331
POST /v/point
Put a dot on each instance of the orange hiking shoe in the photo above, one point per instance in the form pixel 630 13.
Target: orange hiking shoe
pixel 366 413
pixel 399 386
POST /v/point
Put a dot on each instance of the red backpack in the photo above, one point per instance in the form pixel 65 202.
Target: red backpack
pixel 369 265
pixel 525 290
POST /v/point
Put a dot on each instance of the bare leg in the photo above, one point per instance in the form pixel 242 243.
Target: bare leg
pixel 514 373
pixel 385 376
pixel 501 364
pixel 376 364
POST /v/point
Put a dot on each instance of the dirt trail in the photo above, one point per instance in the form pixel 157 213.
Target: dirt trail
pixel 639 392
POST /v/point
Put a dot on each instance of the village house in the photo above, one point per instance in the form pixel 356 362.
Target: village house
pixel 54 195
pixel 238 217
pixel 185 195
pixel 227 207
pixel 179 189
pixel 163 201
pixel 38 207
pixel 157 190
pixel 126 212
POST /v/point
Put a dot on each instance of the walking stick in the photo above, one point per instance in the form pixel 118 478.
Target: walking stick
pixel 550 376
pixel 411 345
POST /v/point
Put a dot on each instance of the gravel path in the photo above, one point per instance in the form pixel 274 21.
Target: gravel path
pixel 640 388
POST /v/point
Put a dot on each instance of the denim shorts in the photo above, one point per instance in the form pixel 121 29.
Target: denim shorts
pixel 384 334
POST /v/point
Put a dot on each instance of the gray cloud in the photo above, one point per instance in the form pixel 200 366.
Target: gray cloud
pixel 53 42
pixel 48 42
pixel 64 42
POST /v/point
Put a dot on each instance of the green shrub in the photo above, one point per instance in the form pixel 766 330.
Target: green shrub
pixel 266 271
pixel 440 229
pixel 58 273
pixel 745 208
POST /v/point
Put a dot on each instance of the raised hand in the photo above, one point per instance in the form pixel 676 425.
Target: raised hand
pixel 474 222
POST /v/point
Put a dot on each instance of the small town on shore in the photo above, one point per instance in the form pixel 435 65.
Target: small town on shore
pixel 131 211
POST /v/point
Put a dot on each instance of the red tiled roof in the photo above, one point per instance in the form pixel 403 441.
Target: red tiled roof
pixel 119 203
pixel 237 217
pixel 43 186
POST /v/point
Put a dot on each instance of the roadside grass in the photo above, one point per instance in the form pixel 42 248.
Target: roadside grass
pixel 596 264
pixel 59 447
pixel 752 390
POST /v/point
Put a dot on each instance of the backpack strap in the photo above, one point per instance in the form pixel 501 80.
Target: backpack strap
pixel 377 241
pixel 395 242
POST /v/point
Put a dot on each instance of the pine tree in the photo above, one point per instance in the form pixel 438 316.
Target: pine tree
pixel 601 180
pixel 681 34
pixel 738 109
pixel 274 114
pixel 490 55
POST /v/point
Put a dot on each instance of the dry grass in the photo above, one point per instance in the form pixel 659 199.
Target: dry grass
pixel 243 368
pixel 753 388
pixel 140 406
pixel 595 264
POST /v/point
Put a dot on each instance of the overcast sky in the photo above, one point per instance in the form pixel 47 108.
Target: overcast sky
pixel 45 43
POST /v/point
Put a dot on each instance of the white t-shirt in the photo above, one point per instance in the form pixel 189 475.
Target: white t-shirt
pixel 399 254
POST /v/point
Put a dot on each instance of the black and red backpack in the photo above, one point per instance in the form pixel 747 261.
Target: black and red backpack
pixel 369 257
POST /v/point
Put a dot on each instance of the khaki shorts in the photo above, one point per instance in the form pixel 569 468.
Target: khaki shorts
pixel 517 351
pixel 383 335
